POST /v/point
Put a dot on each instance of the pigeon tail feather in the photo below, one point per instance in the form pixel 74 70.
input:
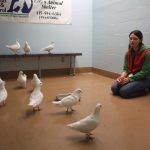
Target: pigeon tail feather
pixel 58 103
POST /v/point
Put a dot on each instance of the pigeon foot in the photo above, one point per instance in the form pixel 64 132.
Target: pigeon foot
pixel 71 110
pixel 89 136
pixel 36 109
pixel 2 104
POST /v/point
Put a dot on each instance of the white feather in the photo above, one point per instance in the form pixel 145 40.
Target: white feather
pixel 89 123
pixel 3 92
pixel 70 100
pixel 49 48
pixel 27 48
pixel 35 81
pixel 14 47
pixel 22 79
pixel 36 97
pixel 61 96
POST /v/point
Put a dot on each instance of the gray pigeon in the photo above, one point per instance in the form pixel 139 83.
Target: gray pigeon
pixel 69 101
pixel 87 124
pixel 14 47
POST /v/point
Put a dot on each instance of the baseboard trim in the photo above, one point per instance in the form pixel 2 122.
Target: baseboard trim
pixel 58 72
pixel 83 69
pixel 105 73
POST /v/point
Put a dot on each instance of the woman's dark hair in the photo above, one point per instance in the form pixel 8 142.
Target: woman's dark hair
pixel 139 34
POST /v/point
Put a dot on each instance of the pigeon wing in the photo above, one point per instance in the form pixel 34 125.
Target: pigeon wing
pixel 85 125
pixel 35 99
pixel 68 101
pixel 3 95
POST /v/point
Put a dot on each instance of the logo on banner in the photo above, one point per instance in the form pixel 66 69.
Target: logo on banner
pixel 36 11
pixel 16 7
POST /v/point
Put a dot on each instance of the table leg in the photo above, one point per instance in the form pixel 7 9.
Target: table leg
pixel 39 67
pixel 72 65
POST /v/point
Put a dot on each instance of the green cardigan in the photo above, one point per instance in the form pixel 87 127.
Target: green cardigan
pixel 145 71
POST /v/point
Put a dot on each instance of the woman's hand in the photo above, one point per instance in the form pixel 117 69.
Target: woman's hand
pixel 119 79
pixel 122 80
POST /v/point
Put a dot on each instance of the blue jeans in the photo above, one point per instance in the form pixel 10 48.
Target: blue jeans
pixel 131 89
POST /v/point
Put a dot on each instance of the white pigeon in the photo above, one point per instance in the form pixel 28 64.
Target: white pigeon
pixel 36 97
pixel 22 79
pixel 14 47
pixel 69 101
pixel 87 124
pixel 49 48
pixel 35 81
pixel 61 96
pixel 27 48
pixel 3 93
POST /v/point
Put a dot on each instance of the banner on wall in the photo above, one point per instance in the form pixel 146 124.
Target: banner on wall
pixel 36 11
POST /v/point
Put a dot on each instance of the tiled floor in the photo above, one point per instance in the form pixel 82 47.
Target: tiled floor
pixel 124 124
